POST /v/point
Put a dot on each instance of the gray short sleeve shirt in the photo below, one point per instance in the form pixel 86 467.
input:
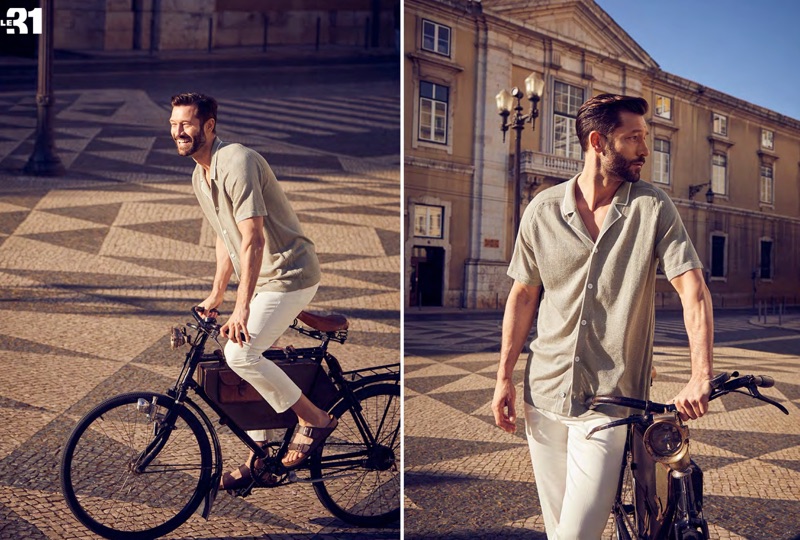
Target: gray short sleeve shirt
pixel 597 315
pixel 243 186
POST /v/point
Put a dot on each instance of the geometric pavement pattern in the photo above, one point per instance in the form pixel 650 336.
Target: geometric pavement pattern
pixel 95 265
pixel 466 476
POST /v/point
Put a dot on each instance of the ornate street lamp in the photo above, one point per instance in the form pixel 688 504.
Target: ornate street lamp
pixel 695 189
pixel 534 86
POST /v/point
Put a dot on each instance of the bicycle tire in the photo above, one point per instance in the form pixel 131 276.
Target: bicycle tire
pixel 625 525
pixel 359 493
pixel 97 477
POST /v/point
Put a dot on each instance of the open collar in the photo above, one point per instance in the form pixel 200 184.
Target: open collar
pixel 569 209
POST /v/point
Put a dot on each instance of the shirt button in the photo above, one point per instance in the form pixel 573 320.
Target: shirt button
pixel 216 208
pixel 583 322
pixel 590 286
pixel 224 232
pixel 563 394
pixel 577 358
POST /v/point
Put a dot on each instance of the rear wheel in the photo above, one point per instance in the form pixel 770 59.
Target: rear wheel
pixel 128 473
pixel 360 480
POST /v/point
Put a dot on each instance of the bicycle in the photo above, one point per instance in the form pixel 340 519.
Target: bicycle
pixel 140 464
pixel 660 490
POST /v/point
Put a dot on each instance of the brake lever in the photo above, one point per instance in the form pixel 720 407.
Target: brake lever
pixel 625 421
pixel 756 394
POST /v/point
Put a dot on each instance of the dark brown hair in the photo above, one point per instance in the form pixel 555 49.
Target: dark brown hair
pixel 601 114
pixel 206 106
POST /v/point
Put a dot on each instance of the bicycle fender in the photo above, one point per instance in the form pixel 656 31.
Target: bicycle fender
pixel 211 495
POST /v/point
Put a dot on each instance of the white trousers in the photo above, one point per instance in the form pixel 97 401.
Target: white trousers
pixel 576 479
pixel 271 313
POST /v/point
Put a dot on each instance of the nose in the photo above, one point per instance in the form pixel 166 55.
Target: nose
pixel 644 151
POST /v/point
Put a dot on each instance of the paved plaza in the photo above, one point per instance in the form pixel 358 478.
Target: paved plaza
pixel 466 478
pixel 96 265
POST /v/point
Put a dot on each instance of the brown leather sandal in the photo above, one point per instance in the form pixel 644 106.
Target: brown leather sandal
pixel 229 483
pixel 317 436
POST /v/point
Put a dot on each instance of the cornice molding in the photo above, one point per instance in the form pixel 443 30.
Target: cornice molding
pixel 438 165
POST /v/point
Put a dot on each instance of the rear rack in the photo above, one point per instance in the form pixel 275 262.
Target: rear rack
pixel 362 373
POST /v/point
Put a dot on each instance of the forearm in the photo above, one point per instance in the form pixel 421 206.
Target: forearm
pixel 517 321
pixel 698 317
pixel 250 256
pixel 224 270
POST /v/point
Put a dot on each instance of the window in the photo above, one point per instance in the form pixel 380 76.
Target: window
pixel 767 191
pixel 661 161
pixel 718 255
pixel 433 100
pixel 767 139
pixel 720 124
pixel 428 221
pixel 435 38
pixel 568 99
pixel 719 174
pixel 664 107
pixel 766 259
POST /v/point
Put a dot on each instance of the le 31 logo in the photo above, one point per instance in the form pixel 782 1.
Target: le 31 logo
pixel 17 21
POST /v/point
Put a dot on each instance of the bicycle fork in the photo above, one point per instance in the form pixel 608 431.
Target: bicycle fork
pixel 689 512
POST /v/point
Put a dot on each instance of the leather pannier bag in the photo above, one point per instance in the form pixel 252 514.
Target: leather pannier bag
pixel 245 406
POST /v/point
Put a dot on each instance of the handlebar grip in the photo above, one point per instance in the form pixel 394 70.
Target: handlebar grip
pixel 764 381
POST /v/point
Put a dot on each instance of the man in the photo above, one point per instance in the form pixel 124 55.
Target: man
pixel 259 237
pixel 593 244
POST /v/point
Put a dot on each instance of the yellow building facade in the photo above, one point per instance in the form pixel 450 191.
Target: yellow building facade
pixel 458 170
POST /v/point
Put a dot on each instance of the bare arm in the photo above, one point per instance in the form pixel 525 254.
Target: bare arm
pixel 250 256
pixel 698 316
pixel 221 277
pixel 517 322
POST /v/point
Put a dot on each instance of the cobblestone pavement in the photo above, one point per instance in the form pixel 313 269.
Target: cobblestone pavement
pixel 95 266
pixel 466 476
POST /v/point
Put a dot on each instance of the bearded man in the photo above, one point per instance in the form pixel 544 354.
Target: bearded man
pixel 594 244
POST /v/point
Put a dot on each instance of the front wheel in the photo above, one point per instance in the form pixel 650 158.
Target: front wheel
pixel 136 466
pixel 360 480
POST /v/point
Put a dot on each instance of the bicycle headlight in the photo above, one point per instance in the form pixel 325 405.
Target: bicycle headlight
pixel 666 440
pixel 177 337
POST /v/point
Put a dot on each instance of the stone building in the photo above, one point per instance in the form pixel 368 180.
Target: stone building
pixel 210 24
pixel 458 174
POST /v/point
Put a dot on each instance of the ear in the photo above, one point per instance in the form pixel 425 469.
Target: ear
pixel 210 125
pixel 596 141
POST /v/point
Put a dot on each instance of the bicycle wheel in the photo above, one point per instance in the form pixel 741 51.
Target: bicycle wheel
pixel 101 474
pixel 625 525
pixel 360 482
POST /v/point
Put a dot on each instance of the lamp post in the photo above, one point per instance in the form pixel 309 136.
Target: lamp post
pixel 534 86
pixel 695 189
pixel 44 161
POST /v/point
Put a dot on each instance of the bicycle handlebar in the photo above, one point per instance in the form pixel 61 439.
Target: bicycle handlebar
pixel 721 384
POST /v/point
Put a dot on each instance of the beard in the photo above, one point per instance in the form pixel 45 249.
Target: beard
pixel 621 167
pixel 196 143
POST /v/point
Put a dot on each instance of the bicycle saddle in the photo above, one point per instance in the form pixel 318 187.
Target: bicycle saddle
pixel 324 323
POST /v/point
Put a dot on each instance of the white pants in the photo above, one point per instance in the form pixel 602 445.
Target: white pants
pixel 576 479
pixel 271 313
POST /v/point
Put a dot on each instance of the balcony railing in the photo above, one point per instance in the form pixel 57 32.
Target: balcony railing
pixel 537 163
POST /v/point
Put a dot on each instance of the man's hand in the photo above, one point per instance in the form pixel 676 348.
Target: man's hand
pixel 212 302
pixel 692 401
pixel 505 414
pixel 236 327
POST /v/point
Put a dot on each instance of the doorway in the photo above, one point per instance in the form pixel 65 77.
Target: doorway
pixel 427 276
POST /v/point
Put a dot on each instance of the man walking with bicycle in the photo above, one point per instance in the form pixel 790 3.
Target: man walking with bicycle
pixel 594 244
pixel 258 236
